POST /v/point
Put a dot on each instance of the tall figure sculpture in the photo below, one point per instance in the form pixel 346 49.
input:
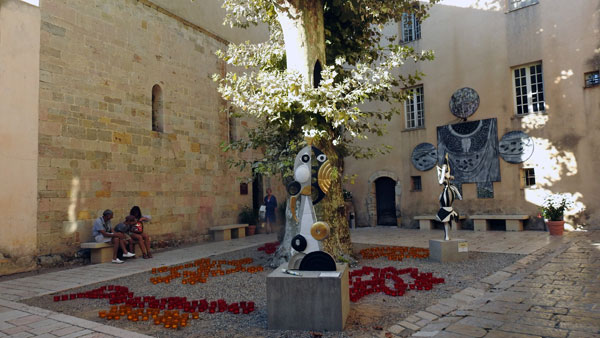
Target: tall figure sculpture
pixel 449 193
pixel 312 174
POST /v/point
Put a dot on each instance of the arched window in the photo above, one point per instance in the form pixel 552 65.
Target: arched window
pixel 157 109
pixel 317 74
pixel 232 125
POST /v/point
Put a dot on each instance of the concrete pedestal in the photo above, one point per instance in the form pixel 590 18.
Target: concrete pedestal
pixel 314 301
pixel 454 250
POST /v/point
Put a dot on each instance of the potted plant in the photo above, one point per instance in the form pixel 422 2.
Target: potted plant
pixel 553 211
pixel 248 216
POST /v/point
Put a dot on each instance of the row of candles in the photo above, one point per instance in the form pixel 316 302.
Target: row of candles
pixel 394 253
pixel 170 319
pixel 269 248
pixel 377 278
pixel 204 269
pixel 117 294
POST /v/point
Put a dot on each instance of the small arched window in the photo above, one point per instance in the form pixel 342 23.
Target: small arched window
pixel 317 74
pixel 157 109
pixel 232 125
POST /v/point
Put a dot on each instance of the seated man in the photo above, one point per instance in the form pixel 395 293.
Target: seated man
pixel 125 229
pixel 102 233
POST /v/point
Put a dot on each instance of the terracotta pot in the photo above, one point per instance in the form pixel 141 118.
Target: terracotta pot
pixel 251 230
pixel 556 228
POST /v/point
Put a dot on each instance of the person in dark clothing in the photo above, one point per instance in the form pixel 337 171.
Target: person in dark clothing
pixel 271 206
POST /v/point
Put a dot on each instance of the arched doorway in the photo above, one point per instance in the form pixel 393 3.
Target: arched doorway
pixel 385 196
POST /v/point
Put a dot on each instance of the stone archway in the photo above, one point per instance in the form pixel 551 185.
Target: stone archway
pixel 372 199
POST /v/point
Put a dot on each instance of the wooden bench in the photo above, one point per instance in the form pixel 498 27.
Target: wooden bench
pixel 513 222
pixel 227 232
pixel 103 252
pixel 426 222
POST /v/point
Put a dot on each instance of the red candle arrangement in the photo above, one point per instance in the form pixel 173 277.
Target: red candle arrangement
pixel 162 311
pixel 360 287
pixel 269 248
pixel 394 253
pixel 204 269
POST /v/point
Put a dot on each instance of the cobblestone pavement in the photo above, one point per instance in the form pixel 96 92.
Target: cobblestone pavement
pixel 554 291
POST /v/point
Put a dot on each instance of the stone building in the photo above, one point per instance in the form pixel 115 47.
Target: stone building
pixel 109 104
pixel 534 65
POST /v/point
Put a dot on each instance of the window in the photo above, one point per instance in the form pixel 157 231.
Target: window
pixel 231 121
pixel 528 177
pixel 416 183
pixel 516 4
pixel 317 74
pixel 413 106
pixel 592 79
pixel 157 109
pixel 529 89
pixel 411 28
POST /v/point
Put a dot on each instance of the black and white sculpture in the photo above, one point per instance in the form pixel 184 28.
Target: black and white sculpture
pixel 312 174
pixel 449 193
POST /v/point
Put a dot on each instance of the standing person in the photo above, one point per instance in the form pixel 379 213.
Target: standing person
pixel 271 206
pixel 102 232
pixel 137 230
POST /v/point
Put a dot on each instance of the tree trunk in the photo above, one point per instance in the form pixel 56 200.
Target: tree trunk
pixel 291 229
pixel 303 30
pixel 304 35
pixel 332 209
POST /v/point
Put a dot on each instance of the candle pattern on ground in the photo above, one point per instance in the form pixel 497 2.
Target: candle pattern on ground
pixel 369 280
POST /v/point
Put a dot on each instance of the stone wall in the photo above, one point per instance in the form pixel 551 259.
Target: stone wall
pixel 99 61
pixel 479 51
pixel 19 73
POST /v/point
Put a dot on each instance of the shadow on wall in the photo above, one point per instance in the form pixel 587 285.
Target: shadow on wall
pixel 552 163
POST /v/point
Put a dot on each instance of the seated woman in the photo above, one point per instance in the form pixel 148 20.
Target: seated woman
pixel 137 231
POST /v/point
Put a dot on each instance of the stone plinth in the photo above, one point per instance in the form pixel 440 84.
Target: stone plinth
pixel 313 301
pixel 454 250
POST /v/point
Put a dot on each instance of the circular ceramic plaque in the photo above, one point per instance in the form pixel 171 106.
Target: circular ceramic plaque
pixel 515 147
pixel 464 102
pixel 424 156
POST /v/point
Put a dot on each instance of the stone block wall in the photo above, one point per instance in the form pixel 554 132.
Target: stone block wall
pixel 98 63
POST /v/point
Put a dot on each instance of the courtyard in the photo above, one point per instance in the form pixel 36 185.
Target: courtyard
pixel 549 289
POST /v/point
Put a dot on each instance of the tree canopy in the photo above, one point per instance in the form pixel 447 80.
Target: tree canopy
pixel 361 66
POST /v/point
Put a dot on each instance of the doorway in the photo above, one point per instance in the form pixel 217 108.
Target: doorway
pixel 257 191
pixel 385 195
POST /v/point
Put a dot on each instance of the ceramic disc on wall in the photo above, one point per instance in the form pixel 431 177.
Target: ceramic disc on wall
pixel 424 156
pixel 464 102
pixel 515 147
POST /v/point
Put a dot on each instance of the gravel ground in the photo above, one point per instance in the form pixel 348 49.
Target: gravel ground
pixel 367 316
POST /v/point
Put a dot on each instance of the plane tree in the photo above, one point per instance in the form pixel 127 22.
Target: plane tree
pixel 323 60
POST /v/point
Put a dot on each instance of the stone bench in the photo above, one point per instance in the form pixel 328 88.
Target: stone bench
pixel 513 222
pixel 426 222
pixel 103 252
pixel 227 232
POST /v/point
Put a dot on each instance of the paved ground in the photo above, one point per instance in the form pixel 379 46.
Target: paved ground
pixel 552 292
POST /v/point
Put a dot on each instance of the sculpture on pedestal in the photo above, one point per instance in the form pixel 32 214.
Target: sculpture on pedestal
pixel 449 192
pixel 312 174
